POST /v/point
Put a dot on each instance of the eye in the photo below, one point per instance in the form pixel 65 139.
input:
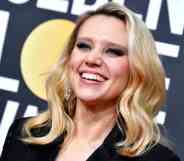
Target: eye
pixel 83 46
pixel 115 52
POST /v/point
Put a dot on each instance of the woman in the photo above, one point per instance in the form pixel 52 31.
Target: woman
pixel 103 96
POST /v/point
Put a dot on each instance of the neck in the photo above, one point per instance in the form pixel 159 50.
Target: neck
pixel 94 122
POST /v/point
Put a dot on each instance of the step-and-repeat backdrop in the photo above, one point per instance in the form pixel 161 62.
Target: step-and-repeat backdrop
pixel 33 33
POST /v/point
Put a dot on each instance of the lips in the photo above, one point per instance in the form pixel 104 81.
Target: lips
pixel 92 76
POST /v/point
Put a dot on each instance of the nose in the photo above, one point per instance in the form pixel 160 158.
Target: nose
pixel 94 58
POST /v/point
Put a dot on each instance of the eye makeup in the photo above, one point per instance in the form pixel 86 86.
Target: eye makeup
pixel 115 51
pixel 83 45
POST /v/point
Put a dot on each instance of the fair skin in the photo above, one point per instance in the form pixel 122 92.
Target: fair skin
pixel 98 72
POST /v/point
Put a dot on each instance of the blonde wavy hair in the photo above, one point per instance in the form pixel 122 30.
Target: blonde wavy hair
pixel 138 104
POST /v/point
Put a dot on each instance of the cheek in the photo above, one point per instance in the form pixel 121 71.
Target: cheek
pixel 72 68
pixel 120 70
pixel 75 60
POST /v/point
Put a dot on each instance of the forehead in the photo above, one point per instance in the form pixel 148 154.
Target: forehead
pixel 104 27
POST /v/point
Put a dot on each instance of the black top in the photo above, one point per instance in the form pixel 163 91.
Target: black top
pixel 15 150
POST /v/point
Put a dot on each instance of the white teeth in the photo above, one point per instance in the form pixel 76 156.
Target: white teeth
pixel 89 76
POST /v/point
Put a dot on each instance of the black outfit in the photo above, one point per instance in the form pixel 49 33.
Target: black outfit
pixel 15 150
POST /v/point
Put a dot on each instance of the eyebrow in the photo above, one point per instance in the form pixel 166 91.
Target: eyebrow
pixel 109 43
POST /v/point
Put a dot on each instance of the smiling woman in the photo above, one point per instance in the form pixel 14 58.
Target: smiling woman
pixel 102 95
pixel 98 62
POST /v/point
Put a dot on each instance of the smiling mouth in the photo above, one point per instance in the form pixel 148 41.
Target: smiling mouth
pixel 92 77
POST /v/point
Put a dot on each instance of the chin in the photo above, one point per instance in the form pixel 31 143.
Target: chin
pixel 89 98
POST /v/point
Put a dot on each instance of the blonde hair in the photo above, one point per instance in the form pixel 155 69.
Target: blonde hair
pixel 138 104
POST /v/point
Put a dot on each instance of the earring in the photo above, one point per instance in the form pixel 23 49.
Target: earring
pixel 67 93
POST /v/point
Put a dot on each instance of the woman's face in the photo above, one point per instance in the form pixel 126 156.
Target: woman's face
pixel 98 67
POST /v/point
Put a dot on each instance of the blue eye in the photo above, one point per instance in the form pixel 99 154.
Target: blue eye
pixel 83 46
